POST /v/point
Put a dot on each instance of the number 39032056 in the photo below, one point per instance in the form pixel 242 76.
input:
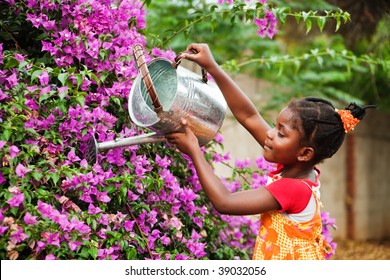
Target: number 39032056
pixel 241 270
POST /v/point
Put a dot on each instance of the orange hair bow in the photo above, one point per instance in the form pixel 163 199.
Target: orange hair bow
pixel 349 121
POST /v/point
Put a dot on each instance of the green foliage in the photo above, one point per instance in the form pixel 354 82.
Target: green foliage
pixel 342 75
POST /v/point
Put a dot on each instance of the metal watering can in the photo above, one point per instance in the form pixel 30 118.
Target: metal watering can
pixel 161 95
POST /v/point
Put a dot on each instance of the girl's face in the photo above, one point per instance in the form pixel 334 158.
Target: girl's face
pixel 282 144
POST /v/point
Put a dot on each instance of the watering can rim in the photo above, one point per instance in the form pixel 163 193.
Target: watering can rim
pixel 138 80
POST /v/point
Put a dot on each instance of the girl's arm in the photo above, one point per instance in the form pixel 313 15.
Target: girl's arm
pixel 241 106
pixel 238 203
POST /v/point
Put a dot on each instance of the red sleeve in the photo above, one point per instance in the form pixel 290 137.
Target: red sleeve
pixel 293 195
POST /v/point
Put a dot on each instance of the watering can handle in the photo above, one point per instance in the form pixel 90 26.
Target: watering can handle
pixel 139 58
pixel 178 59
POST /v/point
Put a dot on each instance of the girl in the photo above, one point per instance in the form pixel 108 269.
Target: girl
pixel 306 132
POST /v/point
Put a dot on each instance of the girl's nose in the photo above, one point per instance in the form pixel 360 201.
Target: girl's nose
pixel 270 133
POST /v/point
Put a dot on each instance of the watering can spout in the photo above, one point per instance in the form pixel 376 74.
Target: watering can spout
pixel 93 147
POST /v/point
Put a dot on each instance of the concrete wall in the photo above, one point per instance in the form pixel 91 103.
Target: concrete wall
pixel 368 215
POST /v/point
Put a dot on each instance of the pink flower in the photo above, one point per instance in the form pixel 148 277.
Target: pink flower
pixel 103 197
pixel 13 151
pixel 73 245
pixel 30 219
pixel 16 200
pixel 93 210
pixel 162 162
pixel 21 170
pixel 115 156
pixel 93 47
pixel 44 78
pixel 50 257
pixel 63 90
pixel 53 239
pixel 196 248
pixel 47 46
pixel 231 2
pixel 2 179
pixel 181 257
pixel 30 103
pixel 129 225
pixel 2 143
pixel 12 80
pixel 72 157
pixel 165 240
pixel 267 25
pixel 45 209
pixel 218 138
pixel 40 245
pixel 18 235
pixel 3 229
pixel 3 96
pixel 1 53
pixel 242 163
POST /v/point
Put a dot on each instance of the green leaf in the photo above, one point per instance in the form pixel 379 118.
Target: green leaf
pixel 35 75
pixel 308 26
pixel 93 252
pixel 346 16
pixel 297 18
pixel 321 23
pixel 80 100
pixel 10 62
pixel 213 24
pixel 6 134
pixel 131 254
pixel 281 68
pixel 297 64
pixel 94 224
pixel 37 175
pixel 14 211
pixel 94 77
pixel 213 8
pixel 43 97
pixel 63 77
pixel 79 79
pixel 123 191
pixel 111 189
pixel 55 177
pixel 338 22
pixel 305 15
pixel 320 60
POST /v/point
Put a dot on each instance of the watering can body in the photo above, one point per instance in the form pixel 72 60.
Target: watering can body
pixel 182 94
pixel 162 94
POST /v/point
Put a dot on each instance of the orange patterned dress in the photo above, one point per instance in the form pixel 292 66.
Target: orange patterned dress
pixel 282 239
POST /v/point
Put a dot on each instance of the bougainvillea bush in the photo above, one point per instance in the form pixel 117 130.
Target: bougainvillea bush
pixel 66 70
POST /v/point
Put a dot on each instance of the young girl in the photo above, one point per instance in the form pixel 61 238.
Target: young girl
pixel 306 132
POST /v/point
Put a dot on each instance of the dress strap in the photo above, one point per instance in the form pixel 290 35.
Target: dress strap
pixel 314 193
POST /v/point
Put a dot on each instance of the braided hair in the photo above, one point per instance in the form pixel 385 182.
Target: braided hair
pixel 321 125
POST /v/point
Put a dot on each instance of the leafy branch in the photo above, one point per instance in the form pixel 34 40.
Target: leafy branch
pixel 351 59
pixel 310 16
pixel 245 13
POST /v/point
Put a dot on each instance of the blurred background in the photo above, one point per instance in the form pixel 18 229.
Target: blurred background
pixel 347 62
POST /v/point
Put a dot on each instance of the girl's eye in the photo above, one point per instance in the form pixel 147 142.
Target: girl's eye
pixel 280 134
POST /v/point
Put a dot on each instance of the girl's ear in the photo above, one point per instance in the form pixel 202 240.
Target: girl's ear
pixel 306 154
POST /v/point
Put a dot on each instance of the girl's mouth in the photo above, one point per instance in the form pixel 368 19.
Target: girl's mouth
pixel 267 147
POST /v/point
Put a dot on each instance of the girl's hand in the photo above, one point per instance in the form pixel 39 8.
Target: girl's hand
pixel 201 54
pixel 185 140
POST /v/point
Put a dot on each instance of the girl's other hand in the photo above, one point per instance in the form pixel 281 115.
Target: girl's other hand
pixel 201 54
pixel 185 140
